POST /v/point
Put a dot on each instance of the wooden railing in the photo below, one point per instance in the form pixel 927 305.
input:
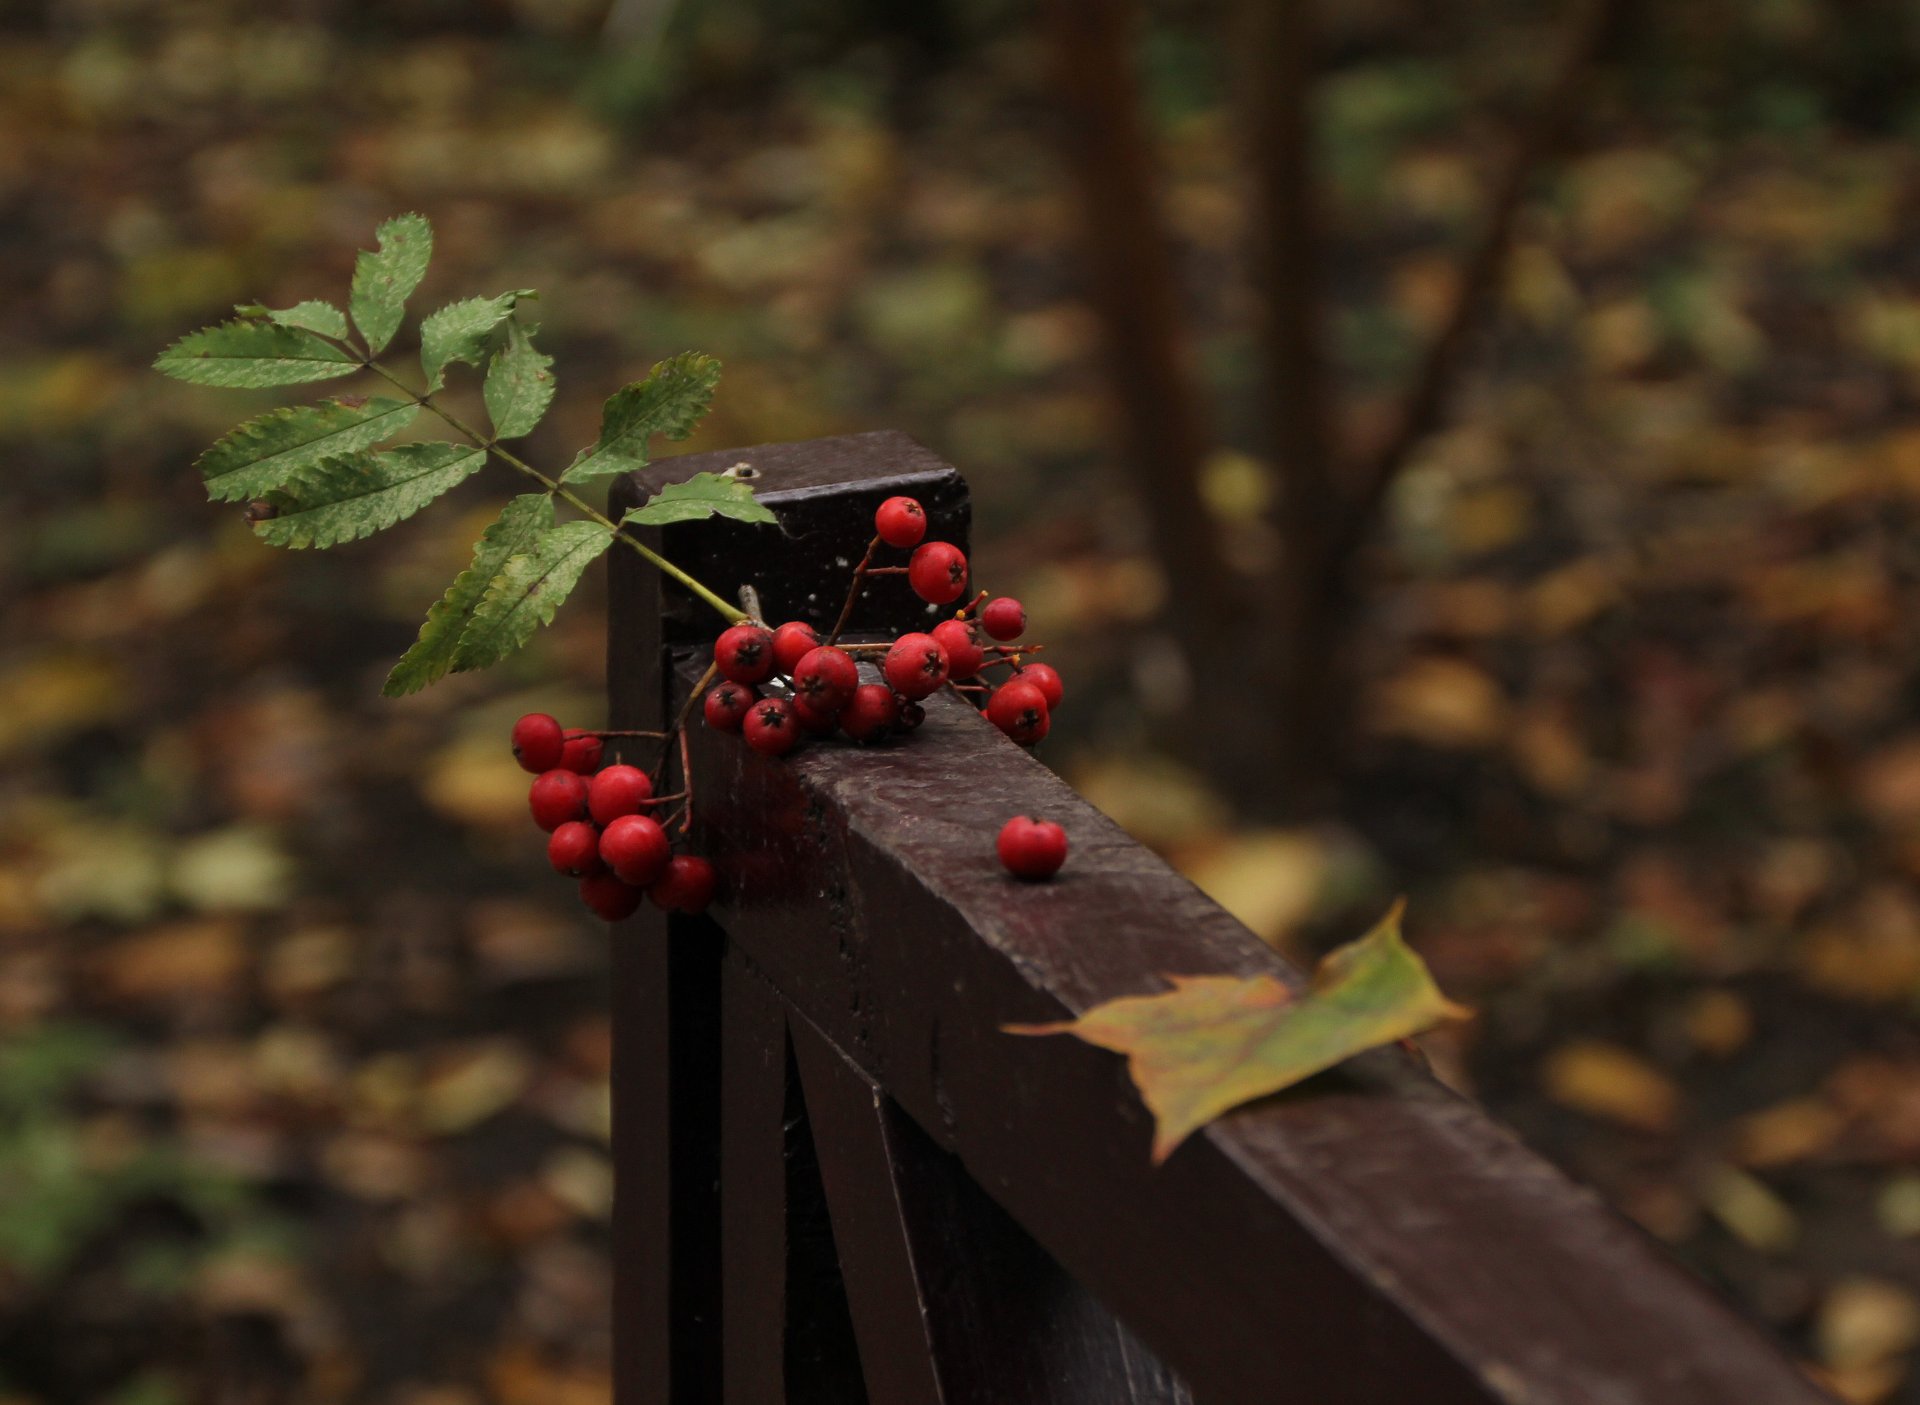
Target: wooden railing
pixel 839 1181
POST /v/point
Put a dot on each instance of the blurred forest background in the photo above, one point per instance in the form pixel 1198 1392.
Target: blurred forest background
pixel 303 1055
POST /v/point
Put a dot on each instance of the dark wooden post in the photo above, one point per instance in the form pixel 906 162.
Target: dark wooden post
pixel 840 1181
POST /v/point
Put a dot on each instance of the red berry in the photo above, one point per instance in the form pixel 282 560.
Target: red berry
pixel 1020 710
pixel 556 797
pixel 686 886
pixel 938 573
pixel 538 742
pixel 617 791
pixel 900 522
pixel 636 848
pixel 574 849
pixel 812 720
pixel 825 678
pixel 1032 848
pixel 744 653
pixel 726 705
pixel 1005 618
pixel 870 713
pixel 911 716
pixel 611 897
pixel 771 728
pixel 964 654
pixel 1045 679
pixel 791 642
pixel 582 753
pixel 916 665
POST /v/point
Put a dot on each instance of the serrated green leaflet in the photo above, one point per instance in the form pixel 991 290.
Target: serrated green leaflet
pixel 670 401
pixel 315 315
pixel 703 495
pixel 250 353
pixel 528 590
pixel 355 495
pixel 432 655
pixel 385 278
pixel 463 331
pixel 266 452
pixel 519 384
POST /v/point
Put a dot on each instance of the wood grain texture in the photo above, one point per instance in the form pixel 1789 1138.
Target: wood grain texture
pixel 1365 1239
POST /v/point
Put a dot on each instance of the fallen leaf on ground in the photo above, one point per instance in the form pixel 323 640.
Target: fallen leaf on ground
pixel 1214 1042
pixel 1605 1081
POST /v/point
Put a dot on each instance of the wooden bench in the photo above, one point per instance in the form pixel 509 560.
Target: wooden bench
pixel 839 1181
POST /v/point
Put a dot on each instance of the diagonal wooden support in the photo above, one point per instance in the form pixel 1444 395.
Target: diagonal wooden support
pixel 953 1303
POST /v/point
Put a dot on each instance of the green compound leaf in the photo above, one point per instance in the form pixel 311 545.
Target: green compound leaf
pixel 314 315
pixel 385 278
pixel 703 495
pixel 249 353
pixel 519 384
pixel 463 331
pixel 1214 1042
pixel 266 452
pixel 353 496
pixel 670 401
pixel 528 590
pixel 432 656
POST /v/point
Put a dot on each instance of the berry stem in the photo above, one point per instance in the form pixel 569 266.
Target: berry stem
pixel 679 729
pixel 860 573
pixel 732 614
pixel 606 734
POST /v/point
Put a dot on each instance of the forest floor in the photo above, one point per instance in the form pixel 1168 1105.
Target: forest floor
pixel 305 1052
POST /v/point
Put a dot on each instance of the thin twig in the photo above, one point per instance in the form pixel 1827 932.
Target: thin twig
pixel 679 727
pixel 853 590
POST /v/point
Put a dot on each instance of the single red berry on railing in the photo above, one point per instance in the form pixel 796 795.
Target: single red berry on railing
pixel 1005 618
pixel 916 665
pixel 791 643
pixel 582 754
pixel 574 849
pixel 726 705
pixel 1020 710
pixel 538 742
pixel 900 522
pixel 870 714
pixel 964 654
pixel 744 653
pixel 610 897
pixel 937 572
pixel 686 886
pixel 617 791
pixel 1031 848
pixel 1043 677
pixel 825 678
pixel 635 848
pixel 771 728
pixel 556 797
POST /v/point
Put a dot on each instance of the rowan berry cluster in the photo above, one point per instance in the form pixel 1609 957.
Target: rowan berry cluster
pixel 604 823
pixel 778 686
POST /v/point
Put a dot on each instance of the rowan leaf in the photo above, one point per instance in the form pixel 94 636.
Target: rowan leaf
pixel 670 401
pixel 463 331
pixel 265 452
pixel 1214 1042
pixel 703 495
pixel 384 278
pixel 527 591
pixel 519 384
pixel 355 495
pixel 314 315
pixel 431 658
pixel 250 352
